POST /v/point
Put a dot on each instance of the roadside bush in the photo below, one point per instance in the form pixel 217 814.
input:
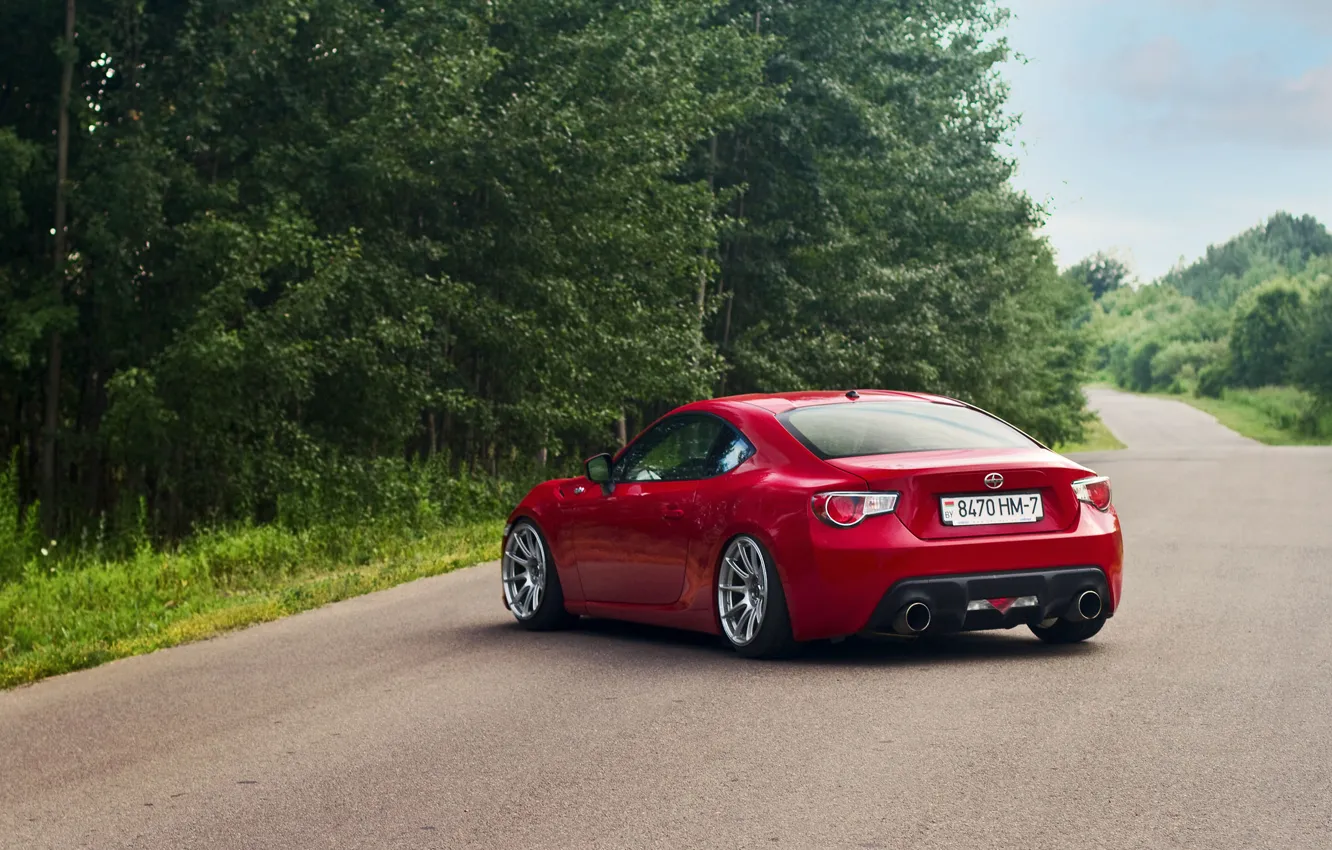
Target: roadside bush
pixel 18 527
pixel 1140 366
pixel 1313 367
pixel 1286 408
pixel 1154 338
pixel 1177 365
pixel 1214 378
pixel 1265 334
pixel 416 495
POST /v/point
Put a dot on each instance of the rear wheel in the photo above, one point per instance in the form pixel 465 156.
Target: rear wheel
pixel 751 603
pixel 531 582
pixel 1068 631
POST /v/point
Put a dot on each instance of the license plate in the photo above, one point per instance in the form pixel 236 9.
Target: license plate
pixel 991 509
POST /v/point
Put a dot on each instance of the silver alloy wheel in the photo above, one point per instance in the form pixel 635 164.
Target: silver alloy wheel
pixel 742 590
pixel 523 570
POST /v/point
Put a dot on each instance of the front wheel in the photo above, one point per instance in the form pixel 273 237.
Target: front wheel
pixel 1068 631
pixel 531 582
pixel 751 603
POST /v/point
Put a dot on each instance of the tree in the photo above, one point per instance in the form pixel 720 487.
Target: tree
pixel 1313 367
pixel 876 240
pixel 1264 335
pixel 51 417
pixel 1100 273
pixel 1284 245
pixel 307 244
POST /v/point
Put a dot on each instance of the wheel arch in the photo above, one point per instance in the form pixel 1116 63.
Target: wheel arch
pixel 558 549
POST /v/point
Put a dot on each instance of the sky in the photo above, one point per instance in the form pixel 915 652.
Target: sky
pixel 1153 128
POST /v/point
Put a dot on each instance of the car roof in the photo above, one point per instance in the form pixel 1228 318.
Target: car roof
pixel 782 402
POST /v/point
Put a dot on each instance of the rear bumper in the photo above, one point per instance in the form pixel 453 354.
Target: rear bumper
pixel 948 597
pixel 838 579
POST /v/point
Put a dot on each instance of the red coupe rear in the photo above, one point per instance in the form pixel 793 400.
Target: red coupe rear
pixel 777 519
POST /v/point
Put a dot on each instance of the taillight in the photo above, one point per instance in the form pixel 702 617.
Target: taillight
pixel 1094 491
pixel 848 509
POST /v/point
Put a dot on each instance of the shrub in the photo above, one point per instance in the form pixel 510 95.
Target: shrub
pixel 19 534
pixel 1140 365
pixel 1313 367
pixel 1265 333
pixel 1179 361
pixel 1213 378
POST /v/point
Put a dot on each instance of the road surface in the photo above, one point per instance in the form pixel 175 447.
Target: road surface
pixel 419 717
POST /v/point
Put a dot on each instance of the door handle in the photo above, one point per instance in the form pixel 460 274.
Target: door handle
pixel 672 513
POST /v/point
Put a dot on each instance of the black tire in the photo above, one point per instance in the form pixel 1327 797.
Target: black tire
pixel 774 638
pixel 1068 631
pixel 550 614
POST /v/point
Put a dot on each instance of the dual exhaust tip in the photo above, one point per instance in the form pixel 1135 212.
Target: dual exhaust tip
pixel 1086 606
pixel 915 617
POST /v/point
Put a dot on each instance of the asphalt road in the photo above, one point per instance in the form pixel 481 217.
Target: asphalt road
pixel 1201 717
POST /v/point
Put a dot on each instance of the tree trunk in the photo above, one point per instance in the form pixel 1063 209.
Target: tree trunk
pixel 51 419
pixel 702 268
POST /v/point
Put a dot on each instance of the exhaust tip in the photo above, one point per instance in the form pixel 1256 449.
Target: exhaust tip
pixel 912 619
pixel 1088 605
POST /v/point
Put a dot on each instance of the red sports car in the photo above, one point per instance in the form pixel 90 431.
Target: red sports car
pixel 777 519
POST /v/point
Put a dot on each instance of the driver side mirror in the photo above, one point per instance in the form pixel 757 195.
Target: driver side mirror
pixel 598 469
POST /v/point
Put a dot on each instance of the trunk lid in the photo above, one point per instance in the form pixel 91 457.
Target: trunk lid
pixel 923 477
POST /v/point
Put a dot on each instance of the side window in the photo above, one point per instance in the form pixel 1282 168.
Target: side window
pixel 683 448
pixel 731 450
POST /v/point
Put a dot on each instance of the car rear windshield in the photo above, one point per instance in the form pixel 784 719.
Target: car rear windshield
pixel 876 428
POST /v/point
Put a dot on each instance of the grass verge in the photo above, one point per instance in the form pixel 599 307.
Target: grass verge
pixel 1277 416
pixel 1096 438
pixel 60 617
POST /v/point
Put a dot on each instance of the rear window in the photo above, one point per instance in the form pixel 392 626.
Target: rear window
pixel 878 428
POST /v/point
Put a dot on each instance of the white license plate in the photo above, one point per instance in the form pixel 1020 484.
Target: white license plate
pixel 991 509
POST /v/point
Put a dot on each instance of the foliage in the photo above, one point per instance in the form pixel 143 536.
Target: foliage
pixel 318 248
pixel 1313 364
pixel 1098 438
pixel 1099 273
pixel 1277 416
pixel 1214 377
pixel 878 241
pixel 1285 244
pixel 1254 313
pixel 19 536
pixel 64 615
pixel 1264 334
pixel 1153 337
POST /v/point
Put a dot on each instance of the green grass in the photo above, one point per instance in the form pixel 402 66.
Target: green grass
pixel 1097 438
pixel 1277 416
pixel 62 616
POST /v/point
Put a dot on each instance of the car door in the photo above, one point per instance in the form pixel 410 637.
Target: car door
pixel 632 539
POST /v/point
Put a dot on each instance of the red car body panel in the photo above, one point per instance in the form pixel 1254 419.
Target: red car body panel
pixel 649 551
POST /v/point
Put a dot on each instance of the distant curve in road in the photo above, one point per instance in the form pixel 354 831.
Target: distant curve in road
pixel 421 717
pixel 1148 422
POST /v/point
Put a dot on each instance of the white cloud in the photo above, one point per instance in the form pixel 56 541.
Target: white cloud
pixel 1239 98
pixel 1310 13
pixel 1158 127
pixel 1316 14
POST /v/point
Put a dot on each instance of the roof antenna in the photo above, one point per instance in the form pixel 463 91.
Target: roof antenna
pixel 852 394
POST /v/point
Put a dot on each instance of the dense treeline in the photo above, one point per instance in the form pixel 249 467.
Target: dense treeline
pixel 1254 312
pixel 309 252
